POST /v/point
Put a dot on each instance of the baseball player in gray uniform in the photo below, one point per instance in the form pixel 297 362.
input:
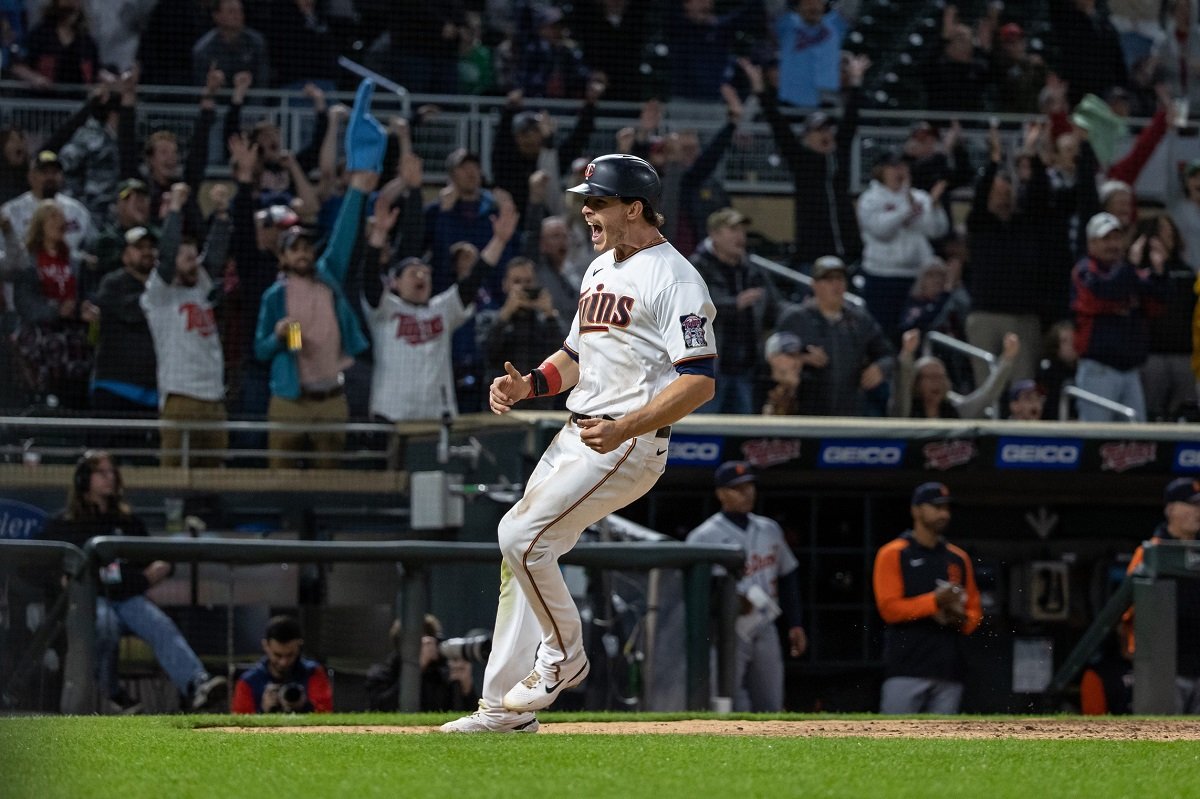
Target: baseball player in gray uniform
pixel 640 356
pixel 769 586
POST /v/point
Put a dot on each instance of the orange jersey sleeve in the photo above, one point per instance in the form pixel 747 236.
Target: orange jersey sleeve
pixel 894 607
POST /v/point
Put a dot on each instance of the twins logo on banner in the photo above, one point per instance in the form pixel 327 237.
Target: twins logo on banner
pixel 1043 454
pixel 857 453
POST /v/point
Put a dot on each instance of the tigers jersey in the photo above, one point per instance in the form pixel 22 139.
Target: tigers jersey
pixel 638 320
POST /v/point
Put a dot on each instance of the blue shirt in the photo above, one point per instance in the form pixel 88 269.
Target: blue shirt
pixel 810 57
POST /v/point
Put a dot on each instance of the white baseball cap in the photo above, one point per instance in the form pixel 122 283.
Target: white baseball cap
pixel 1101 225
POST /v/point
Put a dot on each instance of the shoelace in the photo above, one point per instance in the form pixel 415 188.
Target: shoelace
pixel 532 679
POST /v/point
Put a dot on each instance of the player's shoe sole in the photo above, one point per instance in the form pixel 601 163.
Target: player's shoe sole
pixel 536 692
pixel 479 722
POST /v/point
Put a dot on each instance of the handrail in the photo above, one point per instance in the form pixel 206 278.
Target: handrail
pixel 970 350
pixel 696 560
pixel 1069 390
pixel 175 424
pixel 796 276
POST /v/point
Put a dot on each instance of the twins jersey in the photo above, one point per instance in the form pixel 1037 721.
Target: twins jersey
pixel 413 377
pixel 768 557
pixel 186 341
pixel 637 321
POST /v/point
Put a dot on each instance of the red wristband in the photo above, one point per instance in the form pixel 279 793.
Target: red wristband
pixel 545 380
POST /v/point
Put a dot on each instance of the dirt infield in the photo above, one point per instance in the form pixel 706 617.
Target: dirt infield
pixel 1061 728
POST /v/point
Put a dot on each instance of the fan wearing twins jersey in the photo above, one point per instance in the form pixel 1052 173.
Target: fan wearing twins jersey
pixel 179 302
pixel 768 587
pixel 411 331
pixel 640 356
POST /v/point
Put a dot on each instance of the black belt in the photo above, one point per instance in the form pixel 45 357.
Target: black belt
pixel 662 432
pixel 336 391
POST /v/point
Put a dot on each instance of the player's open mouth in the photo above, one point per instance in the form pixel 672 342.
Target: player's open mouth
pixel 597 230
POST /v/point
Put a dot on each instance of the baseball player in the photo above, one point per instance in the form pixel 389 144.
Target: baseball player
pixel 769 587
pixel 640 356
pixel 925 591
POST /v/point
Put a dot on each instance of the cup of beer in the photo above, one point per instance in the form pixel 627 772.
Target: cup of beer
pixel 294 342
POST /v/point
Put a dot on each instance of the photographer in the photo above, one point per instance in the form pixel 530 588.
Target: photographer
pixel 447 681
pixel 283 681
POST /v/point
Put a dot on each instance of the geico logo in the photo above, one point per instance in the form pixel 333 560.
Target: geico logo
pixel 1039 453
pixel 866 455
pixel 692 451
pixel 1189 458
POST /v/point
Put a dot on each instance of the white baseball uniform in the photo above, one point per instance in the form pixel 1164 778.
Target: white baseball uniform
pixel 639 323
pixel 758 669
pixel 413 376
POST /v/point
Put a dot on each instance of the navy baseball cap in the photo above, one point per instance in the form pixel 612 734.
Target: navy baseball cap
pixel 931 494
pixel 733 473
pixel 1021 386
pixel 1182 489
pixel 295 234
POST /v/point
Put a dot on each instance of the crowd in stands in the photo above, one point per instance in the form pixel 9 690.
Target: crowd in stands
pixel 303 289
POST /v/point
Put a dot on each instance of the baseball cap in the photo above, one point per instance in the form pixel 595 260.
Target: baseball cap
pixel 1011 32
pixel 922 129
pixel 398 268
pixel 294 234
pixel 1183 489
pixel 932 493
pixel 817 120
pixel 1101 225
pixel 130 186
pixel 460 157
pixel 47 159
pixel 733 473
pixel 525 121
pixel 827 264
pixel 1021 386
pixel 135 235
pixel 548 15
pixel 280 216
pixel 726 217
pixel 889 157
pixel 1110 187
pixel 782 343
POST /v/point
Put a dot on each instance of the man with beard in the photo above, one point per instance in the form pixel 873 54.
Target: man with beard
pixel 125 381
pixel 46 183
pixel 925 591
pixel 179 305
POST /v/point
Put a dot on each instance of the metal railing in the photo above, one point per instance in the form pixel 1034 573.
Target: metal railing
pixel 796 276
pixel 963 348
pixel 29 451
pixel 79 695
pixel 1126 413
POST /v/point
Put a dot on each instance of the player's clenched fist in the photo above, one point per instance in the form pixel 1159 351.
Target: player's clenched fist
pixel 601 435
pixel 508 389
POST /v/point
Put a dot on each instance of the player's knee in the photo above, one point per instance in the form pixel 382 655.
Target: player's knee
pixel 512 540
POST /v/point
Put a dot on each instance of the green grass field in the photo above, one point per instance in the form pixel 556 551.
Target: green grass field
pixel 165 758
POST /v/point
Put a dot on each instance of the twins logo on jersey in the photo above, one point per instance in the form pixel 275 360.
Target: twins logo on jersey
pixel 693 331
pixel 199 319
pixel 602 309
pixel 415 330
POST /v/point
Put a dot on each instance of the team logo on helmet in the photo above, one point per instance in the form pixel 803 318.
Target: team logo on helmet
pixel 693 331
pixel 587 173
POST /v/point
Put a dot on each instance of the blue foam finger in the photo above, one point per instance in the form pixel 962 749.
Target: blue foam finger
pixel 366 138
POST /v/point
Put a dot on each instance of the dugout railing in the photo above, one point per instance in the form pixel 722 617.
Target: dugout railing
pixel 1151 590
pixel 416 558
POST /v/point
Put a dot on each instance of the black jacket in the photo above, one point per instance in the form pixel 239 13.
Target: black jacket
pixel 120 579
pixel 741 333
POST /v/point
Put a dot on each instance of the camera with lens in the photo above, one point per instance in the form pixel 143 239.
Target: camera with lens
pixel 472 648
pixel 293 697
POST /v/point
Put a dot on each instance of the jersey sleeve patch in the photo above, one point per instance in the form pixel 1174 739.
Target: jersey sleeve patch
pixel 693 331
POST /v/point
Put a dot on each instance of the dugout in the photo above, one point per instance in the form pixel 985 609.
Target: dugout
pixel 1049 513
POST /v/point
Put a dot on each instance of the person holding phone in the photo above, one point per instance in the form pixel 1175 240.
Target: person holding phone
pixel 525 327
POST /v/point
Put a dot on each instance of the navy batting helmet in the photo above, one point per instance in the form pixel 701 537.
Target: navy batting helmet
pixel 620 175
